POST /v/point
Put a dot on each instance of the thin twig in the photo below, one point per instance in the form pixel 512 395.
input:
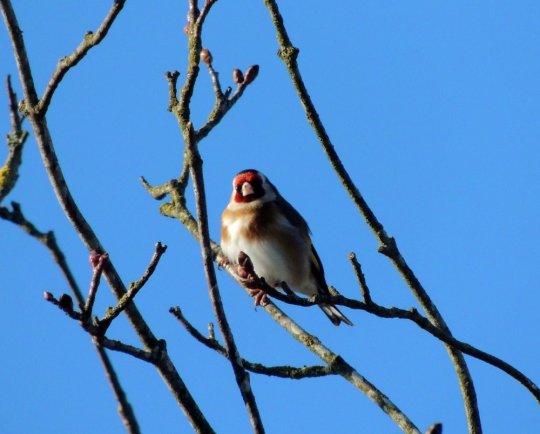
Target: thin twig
pixel 43 138
pixel 134 288
pixel 89 41
pixel 216 85
pixel 172 79
pixel 361 278
pixel 98 262
pixel 257 368
pixel 115 345
pixel 64 303
pixel 14 115
pixel 288 54
pixel 9 172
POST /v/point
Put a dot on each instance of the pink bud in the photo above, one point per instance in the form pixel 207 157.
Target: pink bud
pixel 94 258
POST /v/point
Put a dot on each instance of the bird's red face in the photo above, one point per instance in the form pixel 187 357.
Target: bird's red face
pixel 248 186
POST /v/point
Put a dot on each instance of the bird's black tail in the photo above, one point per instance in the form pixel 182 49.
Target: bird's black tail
pixel 334 314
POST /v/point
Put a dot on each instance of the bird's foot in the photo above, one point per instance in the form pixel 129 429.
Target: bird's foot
pixel 260 296
pixel 251 281
pixel 223 261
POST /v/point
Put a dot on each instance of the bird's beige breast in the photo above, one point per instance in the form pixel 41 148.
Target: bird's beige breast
pixel 276 249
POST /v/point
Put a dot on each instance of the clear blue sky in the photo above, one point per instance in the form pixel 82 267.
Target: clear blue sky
pixel 434 108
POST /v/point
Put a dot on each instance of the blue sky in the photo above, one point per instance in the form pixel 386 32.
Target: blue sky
pixel 434 109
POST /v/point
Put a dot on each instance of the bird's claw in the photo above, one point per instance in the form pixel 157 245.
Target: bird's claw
pixel 260 296
pixel 243 272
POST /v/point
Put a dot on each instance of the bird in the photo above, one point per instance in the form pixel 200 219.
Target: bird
pixel 261 224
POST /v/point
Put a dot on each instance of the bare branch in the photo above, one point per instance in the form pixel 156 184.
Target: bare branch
pixel 196 21
pixel 242 378
pixel 49 241
pixel 124 407
pixel 14 115
pixel 274 371
pixel 89 41
pixel 288 54
pixel 43 138
pixel 172 79
pixel 222 103
pixel 121 347
pixel 361 278
pixel 412 314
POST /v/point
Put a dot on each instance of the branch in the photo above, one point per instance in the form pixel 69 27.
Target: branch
pixel 181 106
pixel 64 303
pixel 89 41
pixel 134 288
pixel 384 312
pixel 124 407
pixel 387 245
pixel 130 350
pixel 49 241
pixel 361 278
pixel 274 371
pixel 193 164
pixel 9 172
pixel 223 103
pixel 196 21
pixel 172 80
pixel 45 144
pixel 194 161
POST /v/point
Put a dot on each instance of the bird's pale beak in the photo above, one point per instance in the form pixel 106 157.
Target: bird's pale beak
pixel 247 189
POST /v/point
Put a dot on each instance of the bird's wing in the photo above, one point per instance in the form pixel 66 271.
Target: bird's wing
pixel 292 215
pixel 318 271
pixel 296 219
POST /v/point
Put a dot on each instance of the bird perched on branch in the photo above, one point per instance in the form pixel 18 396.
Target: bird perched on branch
pixel 259 222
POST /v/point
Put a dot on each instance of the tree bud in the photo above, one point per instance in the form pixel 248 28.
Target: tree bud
pixel 238 77
pixel 251 74
pixel 94 258
pixel 66 303
pixel 206 56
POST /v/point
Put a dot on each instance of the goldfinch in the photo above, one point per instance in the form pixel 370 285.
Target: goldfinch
pixel 261 223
